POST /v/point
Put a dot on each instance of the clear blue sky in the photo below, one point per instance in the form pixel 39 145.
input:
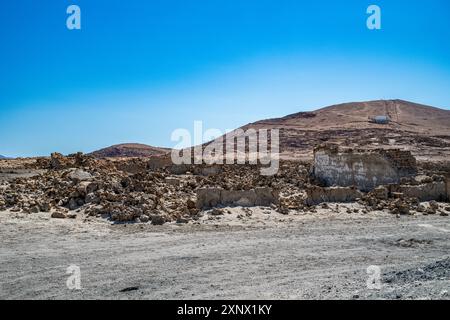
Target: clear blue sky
pixel 139 69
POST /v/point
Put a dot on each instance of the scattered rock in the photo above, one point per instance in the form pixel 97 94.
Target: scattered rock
pixel 157 220
pixel 182 220
pixel 216 212
pixel 175 182
pixel 134 190
pixel 79 175
pixel 59 215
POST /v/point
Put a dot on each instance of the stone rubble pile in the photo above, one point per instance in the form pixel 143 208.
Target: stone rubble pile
pixel 133 190
pixel 128 191
pixel 85 185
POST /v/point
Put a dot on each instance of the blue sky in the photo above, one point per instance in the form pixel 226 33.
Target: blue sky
pixel 139 69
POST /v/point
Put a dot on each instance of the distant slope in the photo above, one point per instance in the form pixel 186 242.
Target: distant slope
pixel 130 150
pixel 407 116
pixel 424 130
pixel 2 157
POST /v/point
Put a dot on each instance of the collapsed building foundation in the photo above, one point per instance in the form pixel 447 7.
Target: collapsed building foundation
pixel 144 190
pixel 316 195
pixel 348 175
pixel 363 170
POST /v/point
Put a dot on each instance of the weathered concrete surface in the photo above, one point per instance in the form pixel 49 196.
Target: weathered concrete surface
pixel 208 197
pixel 131 166
pixel 159 162
pixel 364 170
pixel 426 192
pixel 316 195
pixel 212 197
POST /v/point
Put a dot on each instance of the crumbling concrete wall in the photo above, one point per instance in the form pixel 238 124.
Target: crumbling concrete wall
pixel 316 195
pixel 363 169
pixel 132 166
pixel 201 170
pixel 213 197
pixel 426 192
pixel 159 162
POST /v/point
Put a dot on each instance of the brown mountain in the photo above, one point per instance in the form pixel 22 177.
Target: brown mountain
pixel 130 150
pixel 404 115
pixel 424 130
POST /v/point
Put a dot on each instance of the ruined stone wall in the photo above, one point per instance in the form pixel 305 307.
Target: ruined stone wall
pixel 403 161
pixel 212 197
pixel 364 170
pixel 426 192
pixel 159 162
pixel 316 195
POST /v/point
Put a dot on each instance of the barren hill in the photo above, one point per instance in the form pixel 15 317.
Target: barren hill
pixel 404 115
pixel 424 130
pixel 130 150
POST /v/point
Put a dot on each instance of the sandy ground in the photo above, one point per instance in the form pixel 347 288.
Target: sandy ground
pixel 245 254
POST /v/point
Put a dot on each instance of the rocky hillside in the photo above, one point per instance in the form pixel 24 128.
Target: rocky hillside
pixel 421 129
pixel 130 150
pixel 424 130
pixel 405 116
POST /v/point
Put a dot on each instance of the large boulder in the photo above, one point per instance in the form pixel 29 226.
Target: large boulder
pixel 59 215
pixel 79 175
pixel 157 219
pixel 86 187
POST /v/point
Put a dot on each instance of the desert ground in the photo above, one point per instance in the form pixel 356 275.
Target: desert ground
pixel 265 255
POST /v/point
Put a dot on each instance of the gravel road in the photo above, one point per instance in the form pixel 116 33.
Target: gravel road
pixel 303 258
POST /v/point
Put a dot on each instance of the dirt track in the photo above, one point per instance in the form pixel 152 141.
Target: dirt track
pixel 305 258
